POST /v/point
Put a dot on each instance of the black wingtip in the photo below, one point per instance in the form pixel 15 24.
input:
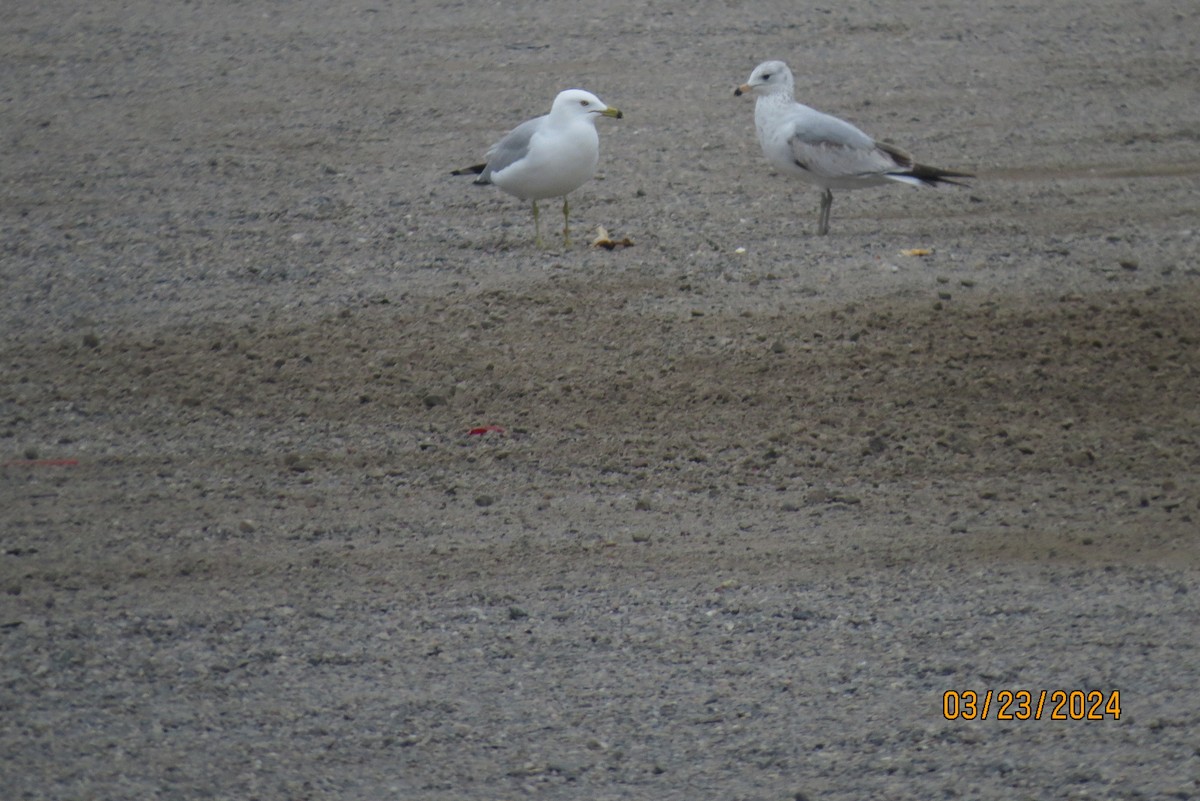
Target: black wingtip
pixel 935 175
pixel 474 169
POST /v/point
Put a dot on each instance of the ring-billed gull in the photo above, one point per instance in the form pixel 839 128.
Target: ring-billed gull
pixel 822 149
pixel 548 156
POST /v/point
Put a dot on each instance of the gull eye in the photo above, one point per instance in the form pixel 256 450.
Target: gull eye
pixel 766 76
pixel 583 103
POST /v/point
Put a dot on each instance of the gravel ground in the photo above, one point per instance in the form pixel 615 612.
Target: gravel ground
pixel 759 500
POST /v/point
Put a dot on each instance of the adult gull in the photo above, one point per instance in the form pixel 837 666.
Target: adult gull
pixel 548 156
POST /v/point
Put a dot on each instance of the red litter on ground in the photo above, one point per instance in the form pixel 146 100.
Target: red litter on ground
pixel 479 432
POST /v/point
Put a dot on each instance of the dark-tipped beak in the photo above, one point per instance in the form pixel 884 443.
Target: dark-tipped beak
pixel 744 89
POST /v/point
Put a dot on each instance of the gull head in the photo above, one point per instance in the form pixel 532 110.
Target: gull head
pixel 581 104
pixel 768 78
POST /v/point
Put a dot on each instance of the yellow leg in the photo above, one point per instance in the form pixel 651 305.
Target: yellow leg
pixel 537 226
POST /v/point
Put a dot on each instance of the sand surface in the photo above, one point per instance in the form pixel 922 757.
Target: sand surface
pixel 760 500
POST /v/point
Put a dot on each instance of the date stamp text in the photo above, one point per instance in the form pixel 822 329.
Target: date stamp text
pixel 1031 705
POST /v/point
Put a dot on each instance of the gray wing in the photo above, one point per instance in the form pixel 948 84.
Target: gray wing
pixel 512 148
pixel 833 148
